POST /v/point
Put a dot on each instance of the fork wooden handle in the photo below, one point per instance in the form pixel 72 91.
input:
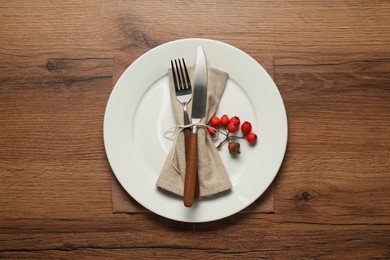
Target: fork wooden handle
pixel 191 170
pixel 187 134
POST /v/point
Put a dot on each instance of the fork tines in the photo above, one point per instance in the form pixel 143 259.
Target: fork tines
pixel 181 79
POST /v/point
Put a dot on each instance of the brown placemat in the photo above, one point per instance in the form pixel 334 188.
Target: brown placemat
pixel 122 202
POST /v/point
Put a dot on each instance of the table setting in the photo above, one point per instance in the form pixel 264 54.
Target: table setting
pixel 194 130
pixel 214 176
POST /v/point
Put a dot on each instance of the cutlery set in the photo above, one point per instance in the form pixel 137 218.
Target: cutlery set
pixel 183 91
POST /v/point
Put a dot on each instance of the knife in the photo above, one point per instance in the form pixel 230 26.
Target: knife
pixel 199 100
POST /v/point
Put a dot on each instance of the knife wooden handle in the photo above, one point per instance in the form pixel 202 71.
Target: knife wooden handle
pixel 187 134
pixel 191 170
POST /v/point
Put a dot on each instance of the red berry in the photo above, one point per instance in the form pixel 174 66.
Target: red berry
pixel 212 131
pixel 251 137
pixel 224 120
pixel 246 127
pixel 232 128
pixel 215 121
pixel 235 120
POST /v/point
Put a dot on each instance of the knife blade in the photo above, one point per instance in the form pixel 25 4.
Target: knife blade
pixel 199 100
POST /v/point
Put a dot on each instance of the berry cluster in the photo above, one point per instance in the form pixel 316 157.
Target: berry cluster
pixel 231 126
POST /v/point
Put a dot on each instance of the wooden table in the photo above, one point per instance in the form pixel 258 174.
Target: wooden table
pixel 332 67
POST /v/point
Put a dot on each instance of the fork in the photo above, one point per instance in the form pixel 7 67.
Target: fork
pixel 183 91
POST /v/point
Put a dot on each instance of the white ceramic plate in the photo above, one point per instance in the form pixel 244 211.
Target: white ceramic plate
pixel 139 112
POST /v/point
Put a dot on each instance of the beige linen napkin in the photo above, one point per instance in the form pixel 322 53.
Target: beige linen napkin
pixel 212 174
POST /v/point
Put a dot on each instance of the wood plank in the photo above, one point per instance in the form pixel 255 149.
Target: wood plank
pixel 339 146
pixel 54 105
pixel 276 26
pixel 123 236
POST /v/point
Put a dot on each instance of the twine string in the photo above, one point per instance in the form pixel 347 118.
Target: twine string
pixel 173 133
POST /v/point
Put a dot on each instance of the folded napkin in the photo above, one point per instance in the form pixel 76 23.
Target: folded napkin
pixel 212 174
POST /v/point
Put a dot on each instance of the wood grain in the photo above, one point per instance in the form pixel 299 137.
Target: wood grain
pixel 332 65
